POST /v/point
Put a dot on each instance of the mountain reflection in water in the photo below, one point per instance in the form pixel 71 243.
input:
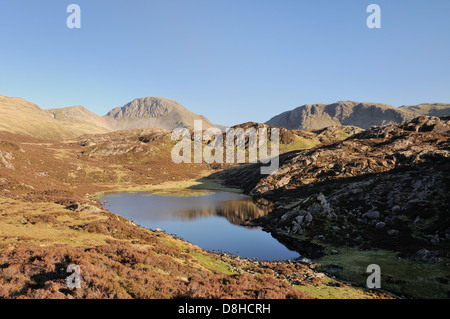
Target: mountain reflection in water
pixel 237 212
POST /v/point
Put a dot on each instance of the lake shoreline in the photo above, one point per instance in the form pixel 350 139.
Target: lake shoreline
pixel 212 219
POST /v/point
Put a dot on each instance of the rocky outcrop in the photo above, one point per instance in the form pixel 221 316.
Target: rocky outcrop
pixel 248 176
pixel 425 255
pixel 376 150
pixel 6 159
pixel 124 142
pixel 296 220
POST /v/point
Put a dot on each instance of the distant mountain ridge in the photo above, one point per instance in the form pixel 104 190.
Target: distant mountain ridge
pixel 363 115
pixel 23 117
pixel 429 109
pixel 20 116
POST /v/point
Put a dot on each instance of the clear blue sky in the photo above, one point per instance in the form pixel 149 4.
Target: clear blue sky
pixel 230 60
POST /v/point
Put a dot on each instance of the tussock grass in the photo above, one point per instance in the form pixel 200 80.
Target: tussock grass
pixel 23 223
pixel 400 276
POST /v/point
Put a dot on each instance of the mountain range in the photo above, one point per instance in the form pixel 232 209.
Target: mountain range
pixel 363 115
pixel 23 117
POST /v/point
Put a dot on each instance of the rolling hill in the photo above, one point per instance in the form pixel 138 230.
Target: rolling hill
pixel 80 120
pixel 22 117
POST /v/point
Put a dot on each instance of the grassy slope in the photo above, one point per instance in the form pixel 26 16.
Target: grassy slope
pixel 401 276
pixel 20 116
pixel 80 121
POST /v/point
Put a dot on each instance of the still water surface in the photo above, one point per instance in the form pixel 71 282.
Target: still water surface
pixel 211 221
